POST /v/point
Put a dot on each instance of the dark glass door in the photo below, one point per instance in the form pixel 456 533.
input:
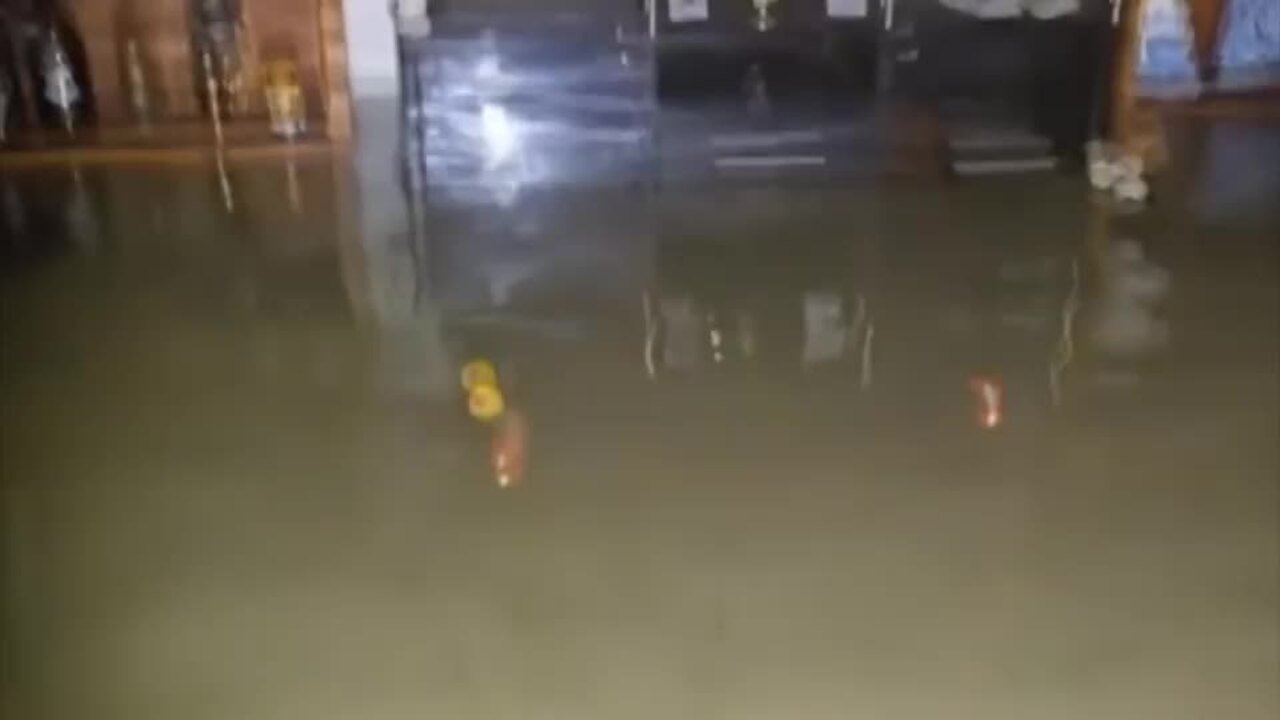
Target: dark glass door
pixel 801 50
pixel 1037 82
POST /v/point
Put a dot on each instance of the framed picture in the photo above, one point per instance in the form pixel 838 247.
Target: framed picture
pixel 681 11
pixel 847 9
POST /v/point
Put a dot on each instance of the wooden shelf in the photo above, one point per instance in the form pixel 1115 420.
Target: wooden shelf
pixel 308 32
pixel 1258 107
pixel 190 142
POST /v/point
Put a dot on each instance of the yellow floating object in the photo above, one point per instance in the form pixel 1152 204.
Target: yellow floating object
pixel 478 373
pixel 485 403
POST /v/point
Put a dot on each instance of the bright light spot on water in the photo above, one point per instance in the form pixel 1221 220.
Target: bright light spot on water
pixel 500 136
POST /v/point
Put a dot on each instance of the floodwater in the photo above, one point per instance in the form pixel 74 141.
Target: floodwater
pixel 239 482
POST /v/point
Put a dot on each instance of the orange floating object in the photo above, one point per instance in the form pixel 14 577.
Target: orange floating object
pixel 510 448
pixel 988 402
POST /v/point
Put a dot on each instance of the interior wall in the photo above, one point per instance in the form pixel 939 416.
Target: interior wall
pixel 371 48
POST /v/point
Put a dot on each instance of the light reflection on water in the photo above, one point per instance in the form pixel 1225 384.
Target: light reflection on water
pixel 752 267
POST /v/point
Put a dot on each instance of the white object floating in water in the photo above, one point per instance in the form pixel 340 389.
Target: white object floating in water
pixel 1132 188
pixel 1102 174
pixel 1131 165
pixel 1111 169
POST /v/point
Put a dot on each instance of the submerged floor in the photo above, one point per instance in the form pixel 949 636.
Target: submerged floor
pixel 231 488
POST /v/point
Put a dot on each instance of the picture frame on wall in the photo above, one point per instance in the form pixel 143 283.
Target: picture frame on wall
pixel 683 11
pixel 847 9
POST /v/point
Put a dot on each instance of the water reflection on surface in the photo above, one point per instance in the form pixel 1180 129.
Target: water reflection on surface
pixel 900 296
pixel 237 482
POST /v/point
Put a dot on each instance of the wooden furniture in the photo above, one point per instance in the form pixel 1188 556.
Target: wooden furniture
pixel 308 32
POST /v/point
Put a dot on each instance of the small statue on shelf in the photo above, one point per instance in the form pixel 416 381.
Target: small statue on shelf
pixel 61 89
pixel 10 72
pixel 136 70
pixel 6 92
pixel 136 80
pixel 764 19
pixel 217 35
pixel 285 101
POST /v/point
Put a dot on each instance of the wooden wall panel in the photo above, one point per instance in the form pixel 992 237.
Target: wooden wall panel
pixel 337 88
pixel 94 20
pixel 171 46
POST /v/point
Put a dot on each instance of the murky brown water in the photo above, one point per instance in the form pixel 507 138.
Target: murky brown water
pixel 236 482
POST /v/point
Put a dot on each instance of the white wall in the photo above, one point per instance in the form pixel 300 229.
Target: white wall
pixel 371 47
